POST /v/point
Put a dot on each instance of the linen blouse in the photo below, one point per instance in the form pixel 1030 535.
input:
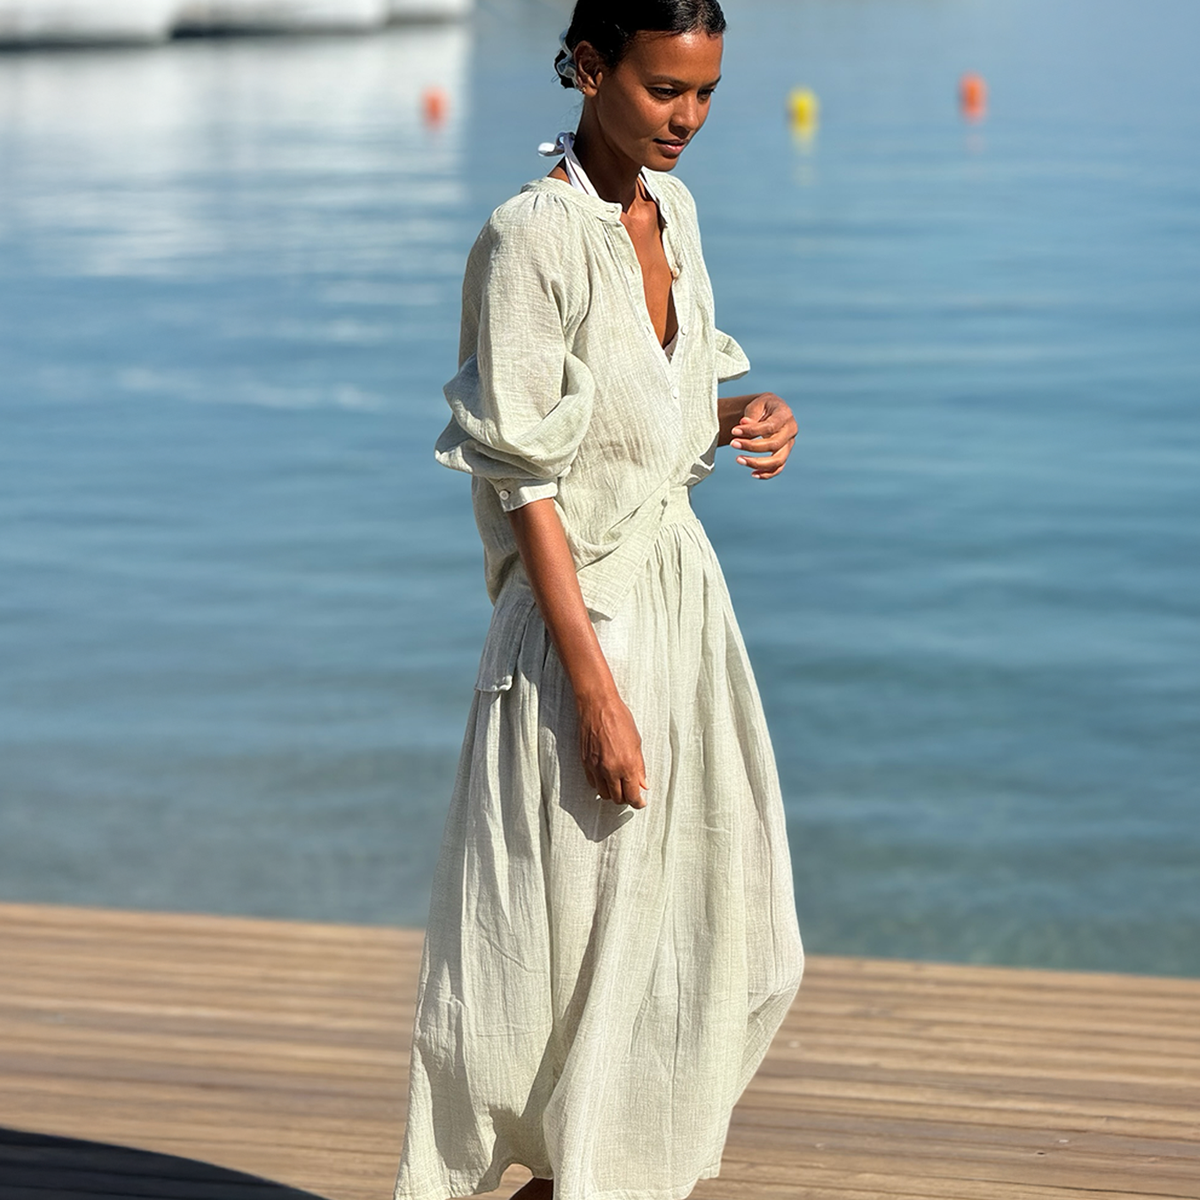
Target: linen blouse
pixel 564 391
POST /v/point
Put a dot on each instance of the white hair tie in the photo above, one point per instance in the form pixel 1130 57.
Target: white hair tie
pixel 564 63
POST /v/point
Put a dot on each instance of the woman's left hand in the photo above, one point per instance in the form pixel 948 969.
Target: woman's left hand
pixel 767 428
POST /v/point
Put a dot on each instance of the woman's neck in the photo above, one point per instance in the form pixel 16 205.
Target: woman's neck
pixel 614 176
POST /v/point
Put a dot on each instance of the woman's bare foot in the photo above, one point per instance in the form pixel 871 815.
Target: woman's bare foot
pixel 535 1189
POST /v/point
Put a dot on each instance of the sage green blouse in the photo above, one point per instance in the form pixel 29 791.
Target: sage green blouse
pixel 564 390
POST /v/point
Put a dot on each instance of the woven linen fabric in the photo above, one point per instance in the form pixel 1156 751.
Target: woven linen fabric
pixel 563 389
pixel 598 983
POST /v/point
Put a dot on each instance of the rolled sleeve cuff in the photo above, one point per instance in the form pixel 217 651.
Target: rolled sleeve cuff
pixel 732 362
pixel 514 494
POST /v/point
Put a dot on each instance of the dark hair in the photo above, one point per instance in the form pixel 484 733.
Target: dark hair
pixel 610 25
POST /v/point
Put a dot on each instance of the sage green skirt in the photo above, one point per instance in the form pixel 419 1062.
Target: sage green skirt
pixel 600 983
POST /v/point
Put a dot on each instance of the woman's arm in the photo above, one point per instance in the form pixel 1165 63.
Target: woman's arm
pixel 759 423
pixel 609 742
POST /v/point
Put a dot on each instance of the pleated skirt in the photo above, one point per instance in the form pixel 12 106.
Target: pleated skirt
pixel 599 983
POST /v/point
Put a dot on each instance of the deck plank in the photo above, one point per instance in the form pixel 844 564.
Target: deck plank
pixel 280 1049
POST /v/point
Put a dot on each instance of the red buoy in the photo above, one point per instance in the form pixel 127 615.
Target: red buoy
pixel 434 105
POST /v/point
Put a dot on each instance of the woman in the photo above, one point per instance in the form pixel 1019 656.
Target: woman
pixel 612 939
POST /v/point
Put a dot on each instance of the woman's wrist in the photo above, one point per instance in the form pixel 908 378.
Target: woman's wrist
pixel 594 688
pixel 730 410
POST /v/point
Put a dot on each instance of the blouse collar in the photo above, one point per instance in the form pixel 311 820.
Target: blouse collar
pixel 606 210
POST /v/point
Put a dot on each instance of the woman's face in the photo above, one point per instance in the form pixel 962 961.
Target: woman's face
pixel 655 100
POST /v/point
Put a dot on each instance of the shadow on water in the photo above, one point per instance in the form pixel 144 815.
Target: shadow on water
pixel 38 1166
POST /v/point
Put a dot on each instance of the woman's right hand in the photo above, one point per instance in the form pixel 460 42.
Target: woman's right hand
pixel 611 748
pixel 609 742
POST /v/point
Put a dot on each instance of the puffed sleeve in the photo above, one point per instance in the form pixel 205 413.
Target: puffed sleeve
pixel 521 401
pixel 732 362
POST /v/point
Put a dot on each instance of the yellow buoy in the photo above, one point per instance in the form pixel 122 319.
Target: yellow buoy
pixel 804 110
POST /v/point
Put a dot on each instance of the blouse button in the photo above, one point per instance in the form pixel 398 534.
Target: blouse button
pixel 504 493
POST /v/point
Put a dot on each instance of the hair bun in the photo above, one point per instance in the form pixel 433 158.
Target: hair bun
pixel 608 26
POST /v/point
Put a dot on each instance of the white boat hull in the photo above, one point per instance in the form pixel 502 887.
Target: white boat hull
pixel 280 16
pixel 85 22
pixel 96 22
pixel 429 10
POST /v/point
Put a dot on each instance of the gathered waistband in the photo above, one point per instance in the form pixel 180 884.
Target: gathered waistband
pixel 677 506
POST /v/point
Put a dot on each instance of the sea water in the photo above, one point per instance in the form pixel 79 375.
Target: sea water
pixel 241 606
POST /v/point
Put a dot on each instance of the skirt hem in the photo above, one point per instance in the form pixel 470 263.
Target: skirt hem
pixel 476 1185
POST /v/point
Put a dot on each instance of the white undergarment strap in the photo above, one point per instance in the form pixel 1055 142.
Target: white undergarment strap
pixel 564 144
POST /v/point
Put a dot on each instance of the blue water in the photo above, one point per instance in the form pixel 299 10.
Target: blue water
pixel 242 606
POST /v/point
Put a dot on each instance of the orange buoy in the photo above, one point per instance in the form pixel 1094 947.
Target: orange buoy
pixel 434 105
pixel 972 96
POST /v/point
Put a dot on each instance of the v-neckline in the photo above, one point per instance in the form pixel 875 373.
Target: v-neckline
pixel 615 212
pixel 672 311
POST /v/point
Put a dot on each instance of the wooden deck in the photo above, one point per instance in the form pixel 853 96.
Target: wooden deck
pixel 278 1049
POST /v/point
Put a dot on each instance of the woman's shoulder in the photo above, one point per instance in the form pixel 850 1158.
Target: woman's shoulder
pixel 536 215
pixel 531 242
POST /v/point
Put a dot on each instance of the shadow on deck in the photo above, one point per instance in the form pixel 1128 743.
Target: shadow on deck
pixel 38 1166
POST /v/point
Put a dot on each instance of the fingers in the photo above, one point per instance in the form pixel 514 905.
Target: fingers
pixel 633 785
pixel 769 465
pixel 622 791
pixel 625 788
pixel 768 430
pixel 768 442
pixel 765 413
pixel 612 757
pixel 770 455
pixel 766 474
pixel 610 748
pixel 777 423
pixel 753 416
pixel 774 425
